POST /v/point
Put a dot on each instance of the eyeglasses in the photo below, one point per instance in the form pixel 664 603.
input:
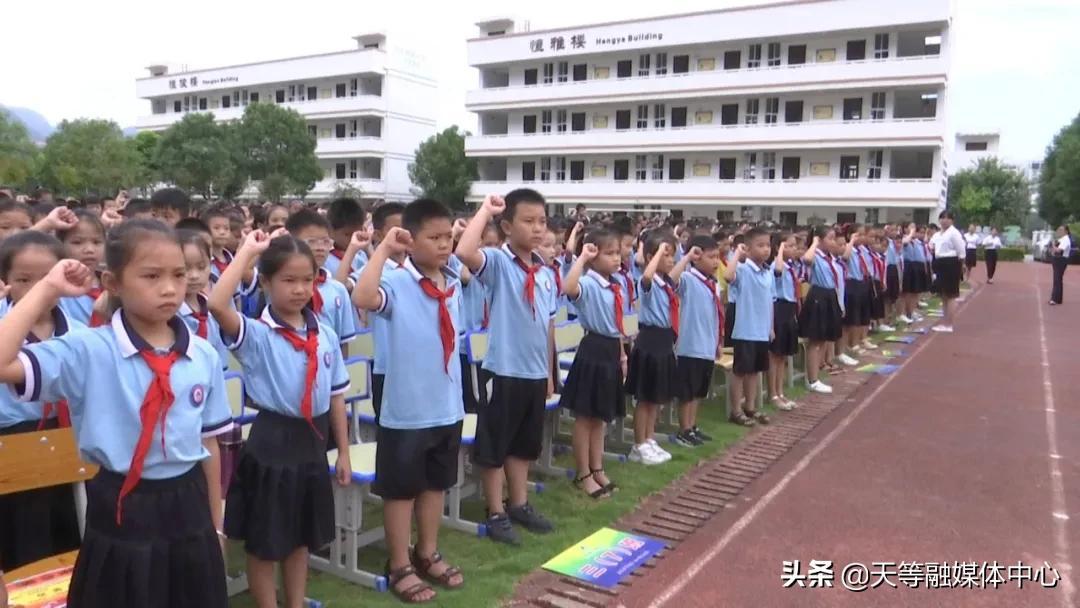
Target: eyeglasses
pixel 326 242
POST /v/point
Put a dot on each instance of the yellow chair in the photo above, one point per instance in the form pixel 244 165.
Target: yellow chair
pixel 363 345
pixel 630 325
pixel 568 336
pixel 477 346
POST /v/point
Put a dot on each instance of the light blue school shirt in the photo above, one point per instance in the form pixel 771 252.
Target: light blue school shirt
pixel 274 370
pixel 854 268
pixel 754 310
pixel 78 308
pixel 104 380
pixel 243 290
pixel 625 284
pixel 820 273
pixel 13 411
pixel 551 271
pixel 518 345
pixel 338 311
pixel 655 308
pixel 333 263
pixel 213 329
pixel 785 285
pixel 733 289
pixel 422 389
pixel 596 304
pixel 379 329
pixel 892 257
pixel 699 320
pixel 564 268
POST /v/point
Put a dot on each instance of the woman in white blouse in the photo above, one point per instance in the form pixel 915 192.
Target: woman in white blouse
pixel 991 244
pixel 949 249
pixel 1059 259
pixel 971 239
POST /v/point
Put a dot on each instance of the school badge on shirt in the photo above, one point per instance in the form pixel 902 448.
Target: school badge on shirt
pixel 326 358
pixel 198 395
pixel 337 301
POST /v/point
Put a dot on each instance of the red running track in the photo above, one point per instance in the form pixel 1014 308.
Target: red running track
pixel 954 458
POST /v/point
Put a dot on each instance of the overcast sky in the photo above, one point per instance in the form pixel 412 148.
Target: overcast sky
pixel 1014 69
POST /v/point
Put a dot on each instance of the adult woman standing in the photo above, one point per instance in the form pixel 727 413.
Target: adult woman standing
pixel 972 240
pixel 991 244
pixel 948 249
pixel 1059 259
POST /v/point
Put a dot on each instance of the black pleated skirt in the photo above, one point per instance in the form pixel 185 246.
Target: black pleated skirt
pixel 971 258
pixel 280 498
pixel 916 278
pixel 949 274
pixel 892 283
pixel 856 303
pixel 36 524
pixel 785 342
pixel 651 368
pixel 594 386
pixel 877 300
pixel 821 319
pixel 165 554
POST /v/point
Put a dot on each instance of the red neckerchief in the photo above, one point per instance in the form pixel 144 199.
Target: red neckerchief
pixel 673 307
pixel 316 295
pixel 202 315
pixel 219 265
pixel 558 277
pixel 95 318
pixel 710 284
pixel 337 253
pixel 832 267
pixel 310 347
pixel 530 281
pixel 862 263
pixel 625 272
pixel 487 315
pixel 446 323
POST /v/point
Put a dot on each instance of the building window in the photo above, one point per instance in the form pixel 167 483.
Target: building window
pixel 727 169
pixel 793 111
pixel 873 214
pixel 581 71
pixel 677 169
pixel 564 71
pixel 881 46
pixel 339 170
pixel 624 68
pixel 849 167
pixel 641 167
pixel 659 116
pixel 352 169
pixel 680 64
pixel 528 171
pixel 643 65
pixel 845 217
pixel 768 166
pixel 312 93
pixel 545 121
pixel 789 219
pixel 772 110
pixel 874 161
pixel 678 117
pixel 577 170
pixel 560 121
pixel 796 54
pixel 661 64
pixel 226 101
pixel 577 121
pixel 178 106
pixel 549 73
pixel 202 103
pixel 856 50
pixel 752 107
pixel 749 166
pixel 790 167
pixel 877 106
pixel 622 119
pixel 643 116
pixel 313 131
pixel 279 96
pixel 530 76
pixel 753 56
pixel 528 123
pixel 339 130
pixel 545 169
pixel 853 108
pixel 732 60
pixel 340 90
pixel 254 97
pixel 560 168
pixel 354 86
pixel 975 146
pixel 921 216
pixel 658 168
pixel 622 170
pixel 774 54
pixel 729 114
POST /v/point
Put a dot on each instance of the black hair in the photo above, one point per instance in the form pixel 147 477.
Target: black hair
pixel 345 212
pixel 821 231
pixel 304 218
pixel 39 210
pixel 738 239
pixel 11 205
pixel 946 215
pixel 599 237
pixel 655 239
pixel 84 217
pixel 90 199
pixel 136 206
pixel 521 196
pixel 258 216
pixel 622 226
pixel 194 224
pixel 20 241
pixel 213 211
pixel 754 233
pixel 122 241
pixel 704 243
pixel 278 253
pixel 196 238
pixel 384 211
pixel 423 210
pixel 172 198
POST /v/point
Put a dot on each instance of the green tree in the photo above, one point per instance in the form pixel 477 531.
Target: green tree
pixel 87 156
pixel 199 154
pixel 18 154
pixel 277 150
pixel 145 144
pixel 441 170
pixel 991 193
pixel 1059 181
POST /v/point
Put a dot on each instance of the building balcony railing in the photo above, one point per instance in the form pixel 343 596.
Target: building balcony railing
pixel 333 107
pixel 368 186
pixel 350 146
pixel 895 132
pixel 896 71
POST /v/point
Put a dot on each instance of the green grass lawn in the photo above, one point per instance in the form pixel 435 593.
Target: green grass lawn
pixel 491 570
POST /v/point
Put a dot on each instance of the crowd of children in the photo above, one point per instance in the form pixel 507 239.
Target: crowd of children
pixel 120 318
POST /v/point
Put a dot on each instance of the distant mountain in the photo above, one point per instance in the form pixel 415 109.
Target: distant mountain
pixel 35 123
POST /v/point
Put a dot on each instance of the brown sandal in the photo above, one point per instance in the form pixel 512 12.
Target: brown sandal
pixel 423 569
pixel 759 417
pixel 740 419
pixel 408 595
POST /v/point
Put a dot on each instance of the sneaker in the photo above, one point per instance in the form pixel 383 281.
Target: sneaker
pixel 847 360
pixel 819 387
pixel 702 436
pixel 989 281
pixel 858 350
pixel 530 519
pixel 868 344
pixel 916 317
pixel 905 319
pixel 924 305
pixel 883 328
pixel 659 450
pixel 687 439
pixel 945 329
pixel 501 530
pixel 781 404
pixel 645 454
pixel 635 454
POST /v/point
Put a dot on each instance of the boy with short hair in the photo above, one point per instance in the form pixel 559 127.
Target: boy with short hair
pixel 217 220
pixel 755 284
pixel 346 217
pixel 330 300
pixel 701 323
pixel 170 205
pixel 521 349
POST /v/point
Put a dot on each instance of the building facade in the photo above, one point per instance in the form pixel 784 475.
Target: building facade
pixel 795 112
pixel 368 108
pixel 970 148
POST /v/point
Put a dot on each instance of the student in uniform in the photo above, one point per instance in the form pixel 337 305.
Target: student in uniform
pixel 785 341
pixel 280 502
pixel 14 217
pixel 915 278
pixel 329 299
pixel 651 375
pixel 991 244
pixel 701 335
pixel 821 317
pixel 34 524
pixel 151 510
pixel 419 433
pixel 1060 251
pixel 195 309
pixel 85 242
pixel 755 283
pixel 218 221
pixel 893 273
pixel 972 240
pixel 170 205
pixel 346 217
pixel 947 254
pixel 594 386
pixel 509 429
pixel 856 277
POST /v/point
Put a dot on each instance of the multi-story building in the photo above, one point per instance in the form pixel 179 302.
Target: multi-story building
pixel 972 147
pixel 368 108
pixel 793 111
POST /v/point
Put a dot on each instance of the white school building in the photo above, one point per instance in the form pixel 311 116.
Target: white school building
pixel 794 111
pixel 368 108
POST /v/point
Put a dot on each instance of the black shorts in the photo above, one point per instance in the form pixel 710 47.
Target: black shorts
pixel 729 321
pixel 411 461
pixel 377 382
pixel 751 357
pixel 695 378
pixel 512 423
pixel 948 276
